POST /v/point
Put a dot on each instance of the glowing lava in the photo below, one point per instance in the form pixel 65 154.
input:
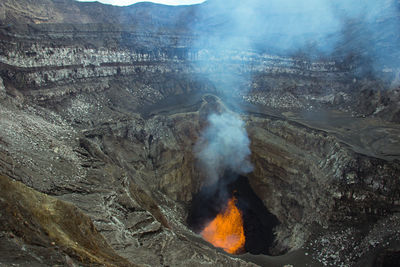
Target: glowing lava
pixel 226 230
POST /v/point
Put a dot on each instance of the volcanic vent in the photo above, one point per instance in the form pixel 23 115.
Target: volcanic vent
pixel 229 215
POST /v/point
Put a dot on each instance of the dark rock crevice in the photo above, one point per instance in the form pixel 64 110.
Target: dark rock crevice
pixel 258 222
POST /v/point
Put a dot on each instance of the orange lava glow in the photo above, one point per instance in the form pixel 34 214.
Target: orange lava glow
pixel 226 230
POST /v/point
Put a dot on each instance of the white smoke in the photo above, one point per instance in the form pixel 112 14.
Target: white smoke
pixel 224 145
pixel 315 28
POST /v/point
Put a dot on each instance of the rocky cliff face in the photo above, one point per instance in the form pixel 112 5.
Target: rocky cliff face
pixel 105 116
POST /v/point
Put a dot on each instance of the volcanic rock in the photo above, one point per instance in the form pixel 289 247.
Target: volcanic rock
pixel 2 90
pixel 100 109
pixel 46 230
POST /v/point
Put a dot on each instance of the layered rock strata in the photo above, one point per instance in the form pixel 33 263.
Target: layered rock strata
pixel 105 117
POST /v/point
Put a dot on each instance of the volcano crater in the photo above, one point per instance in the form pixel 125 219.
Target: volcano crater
pixel 258 222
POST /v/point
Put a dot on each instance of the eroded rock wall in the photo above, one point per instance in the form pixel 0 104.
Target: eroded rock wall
pixel 105 117
pixel 49 62
pixel 309 178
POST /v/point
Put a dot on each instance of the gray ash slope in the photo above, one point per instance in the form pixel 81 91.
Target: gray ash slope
pixel 101 106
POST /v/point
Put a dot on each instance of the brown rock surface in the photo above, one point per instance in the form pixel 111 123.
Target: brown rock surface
pixel 47 231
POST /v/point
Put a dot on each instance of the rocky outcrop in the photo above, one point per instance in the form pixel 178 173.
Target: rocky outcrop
pixel 51 229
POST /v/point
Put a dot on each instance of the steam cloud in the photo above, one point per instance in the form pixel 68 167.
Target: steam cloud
pixel 315 28
pixel 364 32
pixel 223 145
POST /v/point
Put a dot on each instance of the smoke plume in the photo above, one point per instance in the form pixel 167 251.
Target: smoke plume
pixel 224 145
pixel 364 34
pixel 335 29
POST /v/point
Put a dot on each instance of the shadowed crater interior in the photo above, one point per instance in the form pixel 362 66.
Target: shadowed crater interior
pixel 258 222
